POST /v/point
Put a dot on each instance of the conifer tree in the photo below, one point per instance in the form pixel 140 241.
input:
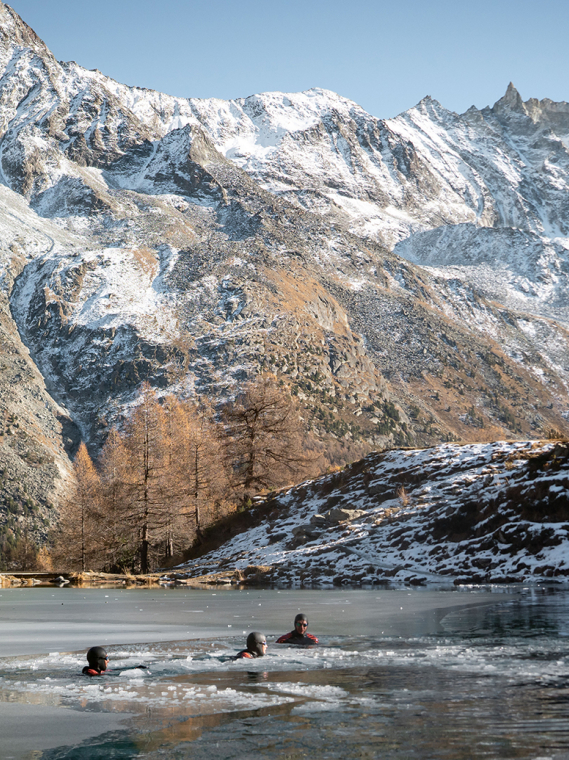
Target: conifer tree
pixel 209 480
pixel 120 536
pixel 76 542
pixel 264 434
pixel 145 489
pixel 198 468
pixel 162 480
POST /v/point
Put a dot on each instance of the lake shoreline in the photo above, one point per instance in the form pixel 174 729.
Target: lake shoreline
pixel 255 578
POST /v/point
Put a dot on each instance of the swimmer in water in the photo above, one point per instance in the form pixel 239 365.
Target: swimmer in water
pixel 98 660
pixel 299 635
pixel 256 647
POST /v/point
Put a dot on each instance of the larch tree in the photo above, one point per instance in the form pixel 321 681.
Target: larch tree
pixel 120 536
pixel 164 477
pixel 198 462
pixel 174 487
pixel 209 480
pixel 264 437
pixel 147 485
pixel 76 542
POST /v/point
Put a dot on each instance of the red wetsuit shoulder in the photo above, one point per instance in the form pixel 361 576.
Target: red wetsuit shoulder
pixel 294 638
pixel 244 655
pixel 87 671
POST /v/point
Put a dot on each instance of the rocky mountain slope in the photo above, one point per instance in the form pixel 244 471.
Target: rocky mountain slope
pixel 492 182
pixel 37 436
pixel 194 243
pixel 451 514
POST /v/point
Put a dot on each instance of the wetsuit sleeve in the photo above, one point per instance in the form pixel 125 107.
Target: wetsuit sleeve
pixel 312 638
pixel 284 638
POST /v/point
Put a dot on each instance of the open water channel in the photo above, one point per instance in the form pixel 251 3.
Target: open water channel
pixel 404 673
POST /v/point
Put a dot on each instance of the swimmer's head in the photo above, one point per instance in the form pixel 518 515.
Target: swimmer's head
pixel 257 643
pixel 301 623
pixel 97 658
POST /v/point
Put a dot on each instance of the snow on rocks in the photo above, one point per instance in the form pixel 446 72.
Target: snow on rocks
pixel 511 266
pixel 488 512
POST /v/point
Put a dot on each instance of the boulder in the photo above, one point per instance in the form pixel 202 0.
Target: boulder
pixel 339 514
pixel 306 530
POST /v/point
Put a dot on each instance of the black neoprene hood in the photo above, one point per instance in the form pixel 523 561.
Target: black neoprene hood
pixel 255 641
pixel 97 658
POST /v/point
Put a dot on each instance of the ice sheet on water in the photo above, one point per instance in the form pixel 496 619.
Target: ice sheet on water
pixel 308 690
pixel 308 707
pixel 126 695
pixel 134 673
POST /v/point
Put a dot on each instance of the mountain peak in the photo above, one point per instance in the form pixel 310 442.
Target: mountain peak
pixel 511 101
pixel 428 104
pixel 14 28
pixel 14 32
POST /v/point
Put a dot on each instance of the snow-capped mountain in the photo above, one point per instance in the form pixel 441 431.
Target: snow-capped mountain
pixel 504 168
pixel 195 242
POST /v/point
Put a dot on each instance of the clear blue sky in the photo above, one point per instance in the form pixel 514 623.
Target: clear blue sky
pixel 384 55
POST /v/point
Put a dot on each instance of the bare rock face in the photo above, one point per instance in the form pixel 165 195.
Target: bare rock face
pixel 37 441
pixel 195 243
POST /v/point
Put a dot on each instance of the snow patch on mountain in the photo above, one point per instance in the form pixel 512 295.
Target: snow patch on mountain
pixel 515 267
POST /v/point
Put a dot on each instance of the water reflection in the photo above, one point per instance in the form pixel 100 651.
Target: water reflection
pixel 362 713
pixel 533 614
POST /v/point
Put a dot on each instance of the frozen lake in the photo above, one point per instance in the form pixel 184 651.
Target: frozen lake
pixel 408 673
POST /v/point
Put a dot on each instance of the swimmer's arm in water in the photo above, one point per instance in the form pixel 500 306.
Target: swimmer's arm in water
pixel 120 671
pixel 136 667
pixel 87 671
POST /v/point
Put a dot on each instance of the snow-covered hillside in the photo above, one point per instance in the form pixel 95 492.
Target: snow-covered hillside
pixel 476 513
